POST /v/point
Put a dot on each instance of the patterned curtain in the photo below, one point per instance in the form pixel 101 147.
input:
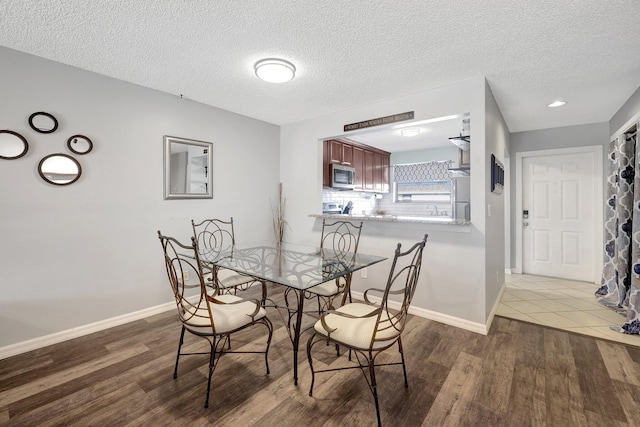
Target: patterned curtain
pixel 422 172
pixel 620 288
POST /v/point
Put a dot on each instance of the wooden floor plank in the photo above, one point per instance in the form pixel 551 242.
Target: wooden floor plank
pixel 597 387
pixel 494 387
pixel 564 397
pixel 456 393
pixel 619 364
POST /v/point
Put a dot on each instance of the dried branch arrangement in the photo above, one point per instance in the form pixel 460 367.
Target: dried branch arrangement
pixel 278 218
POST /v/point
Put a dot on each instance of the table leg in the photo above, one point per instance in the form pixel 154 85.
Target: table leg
pixel 296 334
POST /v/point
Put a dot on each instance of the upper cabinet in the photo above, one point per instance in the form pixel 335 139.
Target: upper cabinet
pixel 340 153
pixel 371 164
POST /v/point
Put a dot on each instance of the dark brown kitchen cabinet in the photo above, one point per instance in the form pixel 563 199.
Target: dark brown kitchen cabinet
pixel 340 153
pixel 386 160
pixel 371 164
pixel 326 164
pixel 358 164
pixel 369 171
pixel 380 173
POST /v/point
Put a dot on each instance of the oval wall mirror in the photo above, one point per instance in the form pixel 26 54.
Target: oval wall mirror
pixel 79 144
pixel 12 145
pixel 43 122
pixel 59 169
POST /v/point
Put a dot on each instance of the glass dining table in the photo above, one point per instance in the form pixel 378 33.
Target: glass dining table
pixel 296 267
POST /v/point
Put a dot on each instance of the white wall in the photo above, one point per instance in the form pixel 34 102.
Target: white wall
pixel 452 283
pixel 83 253
pixel 428 155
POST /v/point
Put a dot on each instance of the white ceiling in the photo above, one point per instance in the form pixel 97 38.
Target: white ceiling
pixel 349 54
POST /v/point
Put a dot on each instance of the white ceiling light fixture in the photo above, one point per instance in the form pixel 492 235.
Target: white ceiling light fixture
pixel 557 104
pixel 274 70
pixel 410 131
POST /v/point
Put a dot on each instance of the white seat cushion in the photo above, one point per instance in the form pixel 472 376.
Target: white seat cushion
pixel 231 279
pixel 226 317
pixel 325 289
pixel 357 333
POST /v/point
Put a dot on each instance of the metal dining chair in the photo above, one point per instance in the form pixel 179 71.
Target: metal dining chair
pixel 212 237
pixel 369 328
pixel 341 239
pixel 205 314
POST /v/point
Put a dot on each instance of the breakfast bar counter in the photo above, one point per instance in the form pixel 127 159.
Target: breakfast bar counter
pixel 397 219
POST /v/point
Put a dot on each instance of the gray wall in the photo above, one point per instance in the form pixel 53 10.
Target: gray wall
pixel 497 142
pixel 546 139
pixel 87 252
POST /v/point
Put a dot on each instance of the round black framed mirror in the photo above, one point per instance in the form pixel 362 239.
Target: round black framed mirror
pixel 12 145
pixel 79 144
pixel 59 169
pixel 43 122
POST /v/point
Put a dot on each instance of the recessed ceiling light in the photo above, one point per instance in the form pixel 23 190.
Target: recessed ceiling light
pixel 557 104
pixel 275 70
pixel 410 131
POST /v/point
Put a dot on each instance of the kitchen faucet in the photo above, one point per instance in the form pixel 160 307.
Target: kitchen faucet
pixel 434 207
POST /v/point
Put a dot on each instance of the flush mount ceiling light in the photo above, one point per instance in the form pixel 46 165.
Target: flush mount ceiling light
pixel 410 131
pixel 557 104
pixel 275 70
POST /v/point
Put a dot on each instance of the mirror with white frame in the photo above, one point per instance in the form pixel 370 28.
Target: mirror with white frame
pixel 187 169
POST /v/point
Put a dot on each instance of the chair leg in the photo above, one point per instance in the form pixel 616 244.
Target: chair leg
pixel 266 352
pixel 175 370
pixel 404 368
pixel 313 374
pixel 212 361
pixel 263 301
pixel 374 388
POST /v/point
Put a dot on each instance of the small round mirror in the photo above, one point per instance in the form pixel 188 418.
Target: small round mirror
pixel 12 145
pixel 79 144
pixel 43 122
pixel 59 169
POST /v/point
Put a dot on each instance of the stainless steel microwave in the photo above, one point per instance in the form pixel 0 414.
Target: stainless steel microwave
pixel 343 177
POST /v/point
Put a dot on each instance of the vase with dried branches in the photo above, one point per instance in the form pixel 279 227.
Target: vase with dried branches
pixel 278 218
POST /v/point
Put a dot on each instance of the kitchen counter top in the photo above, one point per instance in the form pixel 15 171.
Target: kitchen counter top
pixel 397 218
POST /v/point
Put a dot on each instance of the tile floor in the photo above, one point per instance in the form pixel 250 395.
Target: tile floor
pixel 562 304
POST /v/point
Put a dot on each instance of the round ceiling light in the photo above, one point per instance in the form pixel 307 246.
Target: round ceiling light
pixel 275 70
pixel 557 104
pixel 410 131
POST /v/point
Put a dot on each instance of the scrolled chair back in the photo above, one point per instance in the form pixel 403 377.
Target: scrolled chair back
pixel 402 280
pixel 340 236
pixel 185 275
pixel 213 235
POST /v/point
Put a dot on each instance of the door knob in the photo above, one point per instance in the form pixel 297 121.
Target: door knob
pixel 525 223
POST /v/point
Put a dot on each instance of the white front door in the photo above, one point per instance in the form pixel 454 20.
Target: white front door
pixel 557 218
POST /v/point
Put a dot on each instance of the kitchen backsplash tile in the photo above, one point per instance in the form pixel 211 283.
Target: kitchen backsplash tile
pixel 363 203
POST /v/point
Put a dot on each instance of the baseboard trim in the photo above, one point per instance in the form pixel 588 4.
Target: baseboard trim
pixel 495 306
pixel 57 337
pixel 438 317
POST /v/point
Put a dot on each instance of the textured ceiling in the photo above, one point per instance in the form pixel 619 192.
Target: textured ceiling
pixel 349 54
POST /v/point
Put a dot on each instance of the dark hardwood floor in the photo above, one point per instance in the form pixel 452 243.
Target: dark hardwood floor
pixel 519 375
